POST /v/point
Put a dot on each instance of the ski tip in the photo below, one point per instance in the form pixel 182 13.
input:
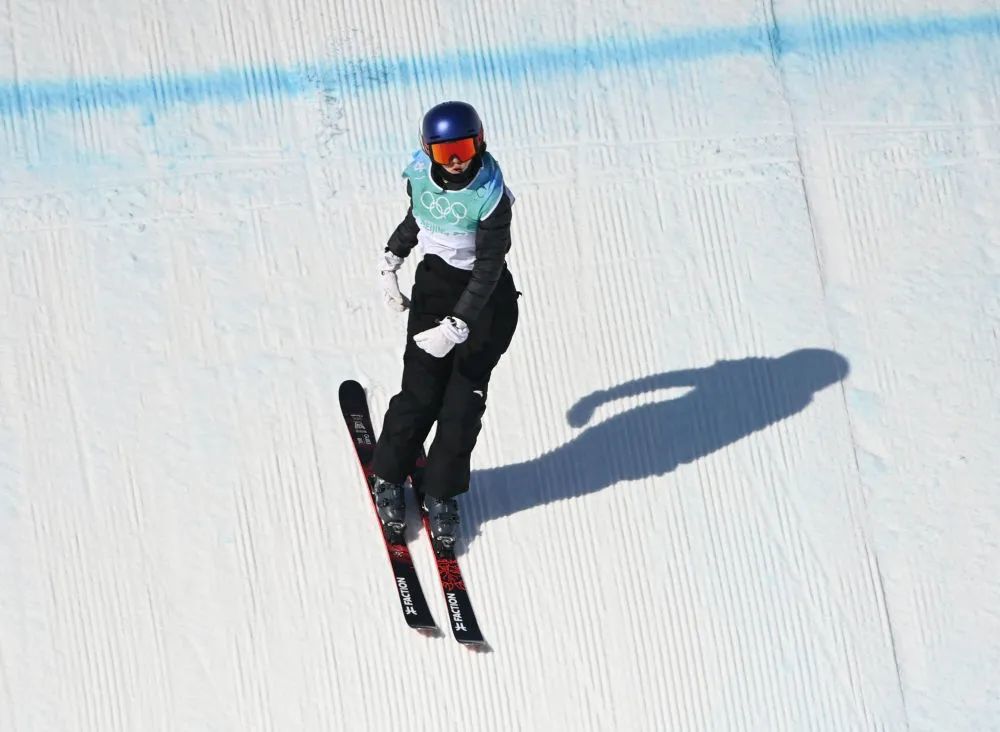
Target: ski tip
pixel 477 646
pixel 429 631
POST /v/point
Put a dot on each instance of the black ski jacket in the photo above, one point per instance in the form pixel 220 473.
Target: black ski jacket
pixel 492 245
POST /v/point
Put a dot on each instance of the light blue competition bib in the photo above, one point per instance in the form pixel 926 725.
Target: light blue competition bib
pixel 453 212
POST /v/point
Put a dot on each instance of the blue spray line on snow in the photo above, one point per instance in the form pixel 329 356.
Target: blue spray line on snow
pixel 358 75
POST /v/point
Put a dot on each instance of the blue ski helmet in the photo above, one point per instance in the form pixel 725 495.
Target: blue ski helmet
pixel 451 121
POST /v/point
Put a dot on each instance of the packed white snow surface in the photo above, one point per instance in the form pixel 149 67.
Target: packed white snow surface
pixel 739 467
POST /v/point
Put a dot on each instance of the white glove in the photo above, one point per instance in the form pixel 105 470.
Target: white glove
pixel 388 264
pixel 444 336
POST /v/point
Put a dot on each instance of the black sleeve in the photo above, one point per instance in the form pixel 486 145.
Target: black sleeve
pixel 404 238
pixel 492 245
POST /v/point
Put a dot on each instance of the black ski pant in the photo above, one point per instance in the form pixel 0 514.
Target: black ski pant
pixel 451 390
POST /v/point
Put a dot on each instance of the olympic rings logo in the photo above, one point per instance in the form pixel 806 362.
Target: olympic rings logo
pixel 440 207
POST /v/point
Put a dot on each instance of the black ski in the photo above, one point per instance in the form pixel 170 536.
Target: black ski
pixel 464 625
pixel 354 405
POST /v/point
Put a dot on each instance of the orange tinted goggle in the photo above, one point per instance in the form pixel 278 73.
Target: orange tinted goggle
pixel 443 152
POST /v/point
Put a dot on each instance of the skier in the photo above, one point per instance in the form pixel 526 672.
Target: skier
pixel 462 315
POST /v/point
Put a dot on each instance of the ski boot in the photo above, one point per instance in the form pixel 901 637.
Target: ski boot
pixel 391 506
pixel 442 519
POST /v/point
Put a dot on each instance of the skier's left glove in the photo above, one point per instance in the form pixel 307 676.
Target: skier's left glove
pixel 444 336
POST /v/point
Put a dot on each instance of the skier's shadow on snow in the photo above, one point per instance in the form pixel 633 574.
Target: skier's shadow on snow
pixel 726 402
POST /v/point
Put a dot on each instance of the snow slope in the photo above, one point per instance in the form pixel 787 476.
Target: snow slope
pixel 736 470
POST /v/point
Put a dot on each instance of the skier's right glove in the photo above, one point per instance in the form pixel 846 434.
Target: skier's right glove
pixel 388 265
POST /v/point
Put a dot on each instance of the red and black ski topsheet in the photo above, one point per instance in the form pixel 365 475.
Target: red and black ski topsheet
pixel 354 405
pixel 464 625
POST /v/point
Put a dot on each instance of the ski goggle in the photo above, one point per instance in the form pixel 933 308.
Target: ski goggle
pixel 443 152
